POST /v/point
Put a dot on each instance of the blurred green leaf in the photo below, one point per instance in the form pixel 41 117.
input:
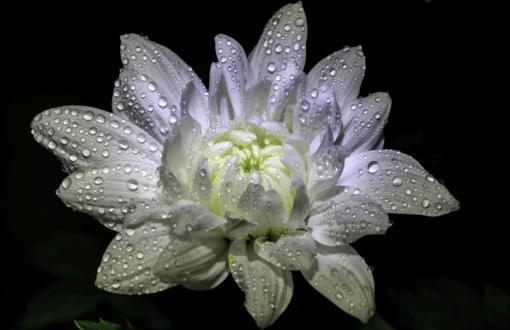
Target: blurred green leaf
pixel 101 325
pixel 62 302
pixel 446 304
pixel 496 306
pixel 140 309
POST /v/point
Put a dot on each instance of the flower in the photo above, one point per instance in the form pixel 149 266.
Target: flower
pixel 268 172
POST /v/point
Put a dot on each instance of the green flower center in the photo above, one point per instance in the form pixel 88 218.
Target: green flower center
pixel 242 156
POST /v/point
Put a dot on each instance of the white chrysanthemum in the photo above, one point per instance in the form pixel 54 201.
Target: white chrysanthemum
pixel 270 171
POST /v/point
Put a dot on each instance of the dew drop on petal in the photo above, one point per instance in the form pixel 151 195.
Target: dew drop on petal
pixel 132 184
pixel 271 67
pixel 373 167
pixel 162 102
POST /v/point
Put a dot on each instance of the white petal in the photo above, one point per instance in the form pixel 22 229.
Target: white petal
pixel 340 73
pixel 262 207
pixel 294 162
pixel 202 184
pixel 346 217
pixel 235 228
pixel 398 182
pixel 185 219
pixel 111 192
pixel 127 264
pixel 256 100
pixel 326 165
pixel 234 65
pixel 221 111
pixel 300 208
pixel 280 53
pixel 209 277
pixel 267 288
pixel 193 103
pixel 343 277
pixel 363 121
pixel 189 219
pixel 81 136
pixel 182 150
pixel 156 102
pixel 191 261
pixel 292 252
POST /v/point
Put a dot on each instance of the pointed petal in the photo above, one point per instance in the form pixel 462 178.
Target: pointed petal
pixel 182 150
pixel 343 277
pixel 221 111
pixel 193 104
pixel 161 76
pixel 81 136
pixel 111 192
pixel 267 288
pixel 345 217
pixel 280 53
pixel 191 220
pixel 190 260
pixel 236 228
pixel 340 73
pixel 202 184
pixel 292 252
pixel 363 121
pixel 127 264
pixel 398 182
pixel 209 277
pixel 326 165
pixel 234 65
pixel 300 208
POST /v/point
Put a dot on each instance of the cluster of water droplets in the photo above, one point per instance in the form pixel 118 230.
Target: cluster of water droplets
pixel 400 184
pixel 82 136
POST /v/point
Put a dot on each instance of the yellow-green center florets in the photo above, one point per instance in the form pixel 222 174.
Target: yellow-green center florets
pixel 256 157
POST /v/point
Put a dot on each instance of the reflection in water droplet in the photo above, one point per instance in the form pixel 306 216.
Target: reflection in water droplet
pixel 373 167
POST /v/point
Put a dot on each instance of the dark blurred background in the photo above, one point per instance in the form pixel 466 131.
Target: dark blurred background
pixel 430 273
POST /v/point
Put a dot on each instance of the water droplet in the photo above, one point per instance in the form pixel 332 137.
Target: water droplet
pixel 132 184
pixel 373 167
pixel 300 21
pixel 278 48
pixel 139 255
pixel 305 105
pixel 98 180
pixel 162 102
pixel 271 67
pixel 152 86
pixel 425 203
pixel 397 182
pixel 66 183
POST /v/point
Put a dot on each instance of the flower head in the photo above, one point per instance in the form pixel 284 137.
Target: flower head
pixel 269 171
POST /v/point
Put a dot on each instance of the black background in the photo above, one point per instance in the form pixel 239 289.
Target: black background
pixel 425 54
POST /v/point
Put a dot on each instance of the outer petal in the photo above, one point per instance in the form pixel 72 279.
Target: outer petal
pixel 112 192
pixel 346 217
pixel 191 260
pixel 363 121
pixel 280 53
pixel 340 73
pixel 343 277
pixel 300 208
pixel 331 83
pixel 267 288
pixel 81 136
pixel 293 252
pixel 398 182
pixel 234 66
pixel 127 264
pixel 161 76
